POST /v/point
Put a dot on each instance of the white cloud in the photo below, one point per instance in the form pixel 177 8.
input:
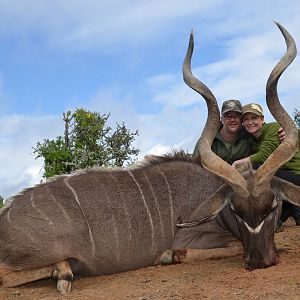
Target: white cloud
pixel 172 127
pixel 88 23
pixel 169 89
pixel 242 74
pixel 18 134
pixel 158 149
pixel 91 23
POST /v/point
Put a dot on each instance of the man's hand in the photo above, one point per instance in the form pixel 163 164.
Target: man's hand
pixel 242 164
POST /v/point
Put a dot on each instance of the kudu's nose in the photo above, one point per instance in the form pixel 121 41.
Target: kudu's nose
pixel 261 263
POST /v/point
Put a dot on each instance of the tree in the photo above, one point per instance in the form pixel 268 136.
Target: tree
pixel 1 201
pixel 87 142
pixel 296 115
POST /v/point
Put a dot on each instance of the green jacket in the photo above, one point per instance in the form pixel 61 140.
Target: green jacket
pixel 267 143
pixel 229 151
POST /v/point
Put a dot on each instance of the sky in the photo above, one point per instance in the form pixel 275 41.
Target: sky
pixel 124 57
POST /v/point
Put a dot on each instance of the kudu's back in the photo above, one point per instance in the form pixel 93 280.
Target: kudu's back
pixel 102 221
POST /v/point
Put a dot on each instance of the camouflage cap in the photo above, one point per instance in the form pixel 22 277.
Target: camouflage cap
pixel 253 108
pixel 232 105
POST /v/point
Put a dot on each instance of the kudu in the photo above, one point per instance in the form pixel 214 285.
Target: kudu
pixel 102 221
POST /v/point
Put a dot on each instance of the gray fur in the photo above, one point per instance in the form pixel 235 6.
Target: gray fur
pixel 108 220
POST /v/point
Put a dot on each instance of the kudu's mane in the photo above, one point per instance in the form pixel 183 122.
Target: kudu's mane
pixel 152 160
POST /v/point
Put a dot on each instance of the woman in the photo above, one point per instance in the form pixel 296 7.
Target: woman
pixel 265 141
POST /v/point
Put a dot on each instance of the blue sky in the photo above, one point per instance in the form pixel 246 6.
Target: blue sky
pixel 124 58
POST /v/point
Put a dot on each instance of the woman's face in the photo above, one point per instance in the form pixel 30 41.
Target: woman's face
pixel 253 123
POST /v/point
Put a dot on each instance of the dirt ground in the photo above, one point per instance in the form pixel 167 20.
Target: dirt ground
pixel 211 279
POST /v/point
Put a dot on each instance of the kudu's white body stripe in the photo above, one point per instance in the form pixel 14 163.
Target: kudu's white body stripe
pixel 86 220
pixel 42 215
pixel 157 206
pixel 117 240
pixel 146 206
pixel 66 215
pixel 8 213
pixel 9 206
pixel 170 199
pixel 129 231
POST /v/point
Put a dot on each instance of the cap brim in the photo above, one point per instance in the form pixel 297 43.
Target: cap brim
pixel 235 110
pixel 252 112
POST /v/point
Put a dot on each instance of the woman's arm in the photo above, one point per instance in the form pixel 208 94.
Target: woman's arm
pixel 268 142
pixel 263 148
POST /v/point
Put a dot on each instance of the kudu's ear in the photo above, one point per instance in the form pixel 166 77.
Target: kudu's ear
pixel 209 209
pixel 291 191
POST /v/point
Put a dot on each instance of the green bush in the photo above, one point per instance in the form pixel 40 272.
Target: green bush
pixel 87 142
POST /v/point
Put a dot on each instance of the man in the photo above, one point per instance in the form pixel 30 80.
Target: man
pixel 232 141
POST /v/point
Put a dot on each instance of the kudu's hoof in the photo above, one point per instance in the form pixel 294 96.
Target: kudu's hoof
pixel 166 258
pixel 64 286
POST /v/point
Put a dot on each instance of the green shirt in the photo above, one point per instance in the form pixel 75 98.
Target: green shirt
pixel 267 143
pixel 229 151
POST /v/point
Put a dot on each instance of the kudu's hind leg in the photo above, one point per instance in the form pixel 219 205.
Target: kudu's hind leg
pixel 60 271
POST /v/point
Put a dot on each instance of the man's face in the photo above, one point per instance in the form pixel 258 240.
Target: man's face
pixel 231 121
